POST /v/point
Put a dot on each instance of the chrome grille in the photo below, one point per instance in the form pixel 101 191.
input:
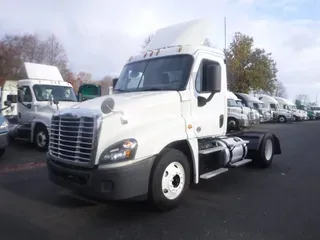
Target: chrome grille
pixel 72 138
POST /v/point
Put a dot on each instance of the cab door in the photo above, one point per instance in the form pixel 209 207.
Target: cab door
pixel 25 105
pixel 208 118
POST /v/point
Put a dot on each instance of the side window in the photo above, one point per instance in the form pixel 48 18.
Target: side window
pixel 25 94
pixel 202 80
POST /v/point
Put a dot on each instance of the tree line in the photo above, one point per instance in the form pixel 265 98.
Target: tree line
pixel 249 69
pixel 15 49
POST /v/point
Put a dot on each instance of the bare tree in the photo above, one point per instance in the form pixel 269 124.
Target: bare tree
pixel 147 41
pixel 280 90
pixel 17 49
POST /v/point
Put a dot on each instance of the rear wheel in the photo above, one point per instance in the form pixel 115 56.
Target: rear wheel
pixel 265 155
pixel 169 180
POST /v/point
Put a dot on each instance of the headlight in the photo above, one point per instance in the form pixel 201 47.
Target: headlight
pixel 4 124
pixel 244 117
pixel 121 151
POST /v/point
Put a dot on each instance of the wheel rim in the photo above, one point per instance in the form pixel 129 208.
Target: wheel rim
pixel 268 150
pixel 173 180
pixel 232 123
pixel 41 139
pixel 281 119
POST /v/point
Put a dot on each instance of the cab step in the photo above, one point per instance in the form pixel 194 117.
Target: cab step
pixel 214 173
pixel 212 150
pixel 240 163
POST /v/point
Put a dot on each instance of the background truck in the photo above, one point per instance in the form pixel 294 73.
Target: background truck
pixel 153 139
pixel 279 114
pixel 254 103
pixel 39 97
pixel 88 91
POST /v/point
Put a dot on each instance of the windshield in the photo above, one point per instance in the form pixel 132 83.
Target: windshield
pixel 90 89
pixel 61 93
pixel 166 73
pixel 232 103
pixel 273 106
pixel 239 103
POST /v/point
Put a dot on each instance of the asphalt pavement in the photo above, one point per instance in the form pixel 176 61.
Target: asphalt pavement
pixel 281 202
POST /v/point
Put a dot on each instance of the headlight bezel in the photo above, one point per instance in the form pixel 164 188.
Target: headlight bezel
pixel 121 151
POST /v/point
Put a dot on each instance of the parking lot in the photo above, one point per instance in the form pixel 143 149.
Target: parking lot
pixel 281 202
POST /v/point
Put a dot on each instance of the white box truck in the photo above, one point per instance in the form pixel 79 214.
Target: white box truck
pixel 155 136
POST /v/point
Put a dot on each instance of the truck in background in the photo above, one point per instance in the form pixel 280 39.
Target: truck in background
pixel 88 91
pixel 4 129
pixel 237 119
pixel 254 103
pixel 291 107
pixel 39 96
pixel 278 113
pixel 10 89
pixel 153 139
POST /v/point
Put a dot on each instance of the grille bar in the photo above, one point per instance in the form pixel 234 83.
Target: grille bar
pixel 71 139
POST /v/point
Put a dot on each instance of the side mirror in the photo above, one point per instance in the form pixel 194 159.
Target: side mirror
pixel 114 82
pixel 7 103
pixel 213 78
pixel 29 105
pixel 56 101
pixel 12 98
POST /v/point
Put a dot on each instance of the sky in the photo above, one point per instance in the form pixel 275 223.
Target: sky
pixel 100 35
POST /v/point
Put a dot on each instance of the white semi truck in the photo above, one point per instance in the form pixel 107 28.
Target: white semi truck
pixel 39 97
pixel 158 136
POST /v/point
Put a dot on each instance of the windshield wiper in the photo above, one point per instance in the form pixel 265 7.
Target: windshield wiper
pixel 155 89
pixel 119 90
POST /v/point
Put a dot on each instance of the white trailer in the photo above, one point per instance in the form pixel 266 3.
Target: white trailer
pixel 153 139
pixel 39 97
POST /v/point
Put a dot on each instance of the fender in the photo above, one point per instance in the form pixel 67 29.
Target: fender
pixel 33 125
pixel 255 139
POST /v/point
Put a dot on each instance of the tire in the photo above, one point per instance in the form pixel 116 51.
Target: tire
pixel 264 157
pixel 40 133
pixel 233 124
pixel 282 119
pixel 161 187
pixel 2 152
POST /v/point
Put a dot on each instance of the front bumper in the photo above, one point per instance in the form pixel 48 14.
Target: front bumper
pixel 4 139
pixel 103 182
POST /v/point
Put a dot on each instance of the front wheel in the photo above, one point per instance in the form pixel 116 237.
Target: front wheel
pixel 169 180
pixel 41 138
pixel 282 119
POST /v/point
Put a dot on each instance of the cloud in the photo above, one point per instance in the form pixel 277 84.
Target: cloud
pixel 100 35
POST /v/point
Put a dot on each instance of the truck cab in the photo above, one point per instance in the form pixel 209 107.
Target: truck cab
pixel 254 103
pixel 89 91
pixel 278 113
pixel 316 111
pixel 237 117
pixel 153 137
pixel 39 96
pixel 254 116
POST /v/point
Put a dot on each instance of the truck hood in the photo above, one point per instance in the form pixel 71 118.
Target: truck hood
pixel 136 103
pixel 45 107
